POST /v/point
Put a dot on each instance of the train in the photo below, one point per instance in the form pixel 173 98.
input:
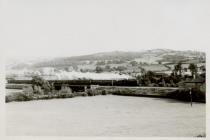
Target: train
pixel 129 82
pixel 79 85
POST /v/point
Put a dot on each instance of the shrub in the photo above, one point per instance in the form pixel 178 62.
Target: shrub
pixel 46 86
pixel 8 99
pixel 104 92
pixel 65 89
pixel 65 92
pixel 84 94
pixel 65 95
pixel 38 90
pixel 19 97
pixel 75 94
pixel 28 90
pixel 99 69
pixel 201 135
pixel 116 92
pixel 23 97
pixel 90 93
pixel 197 94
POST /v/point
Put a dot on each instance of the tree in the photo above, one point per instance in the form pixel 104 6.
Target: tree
pixel 163 82
pixel 178 68
pixel 107 68
pixel 150 74
pixel 100 63
pixel 185 69
pixel 37 80
pixel 121 68
pixel 159 62
pixel 99 69
pixel 40 82
pixel 143 71
pixel 175 71
pixel 133 63
pixel 193 69
pixel 203 68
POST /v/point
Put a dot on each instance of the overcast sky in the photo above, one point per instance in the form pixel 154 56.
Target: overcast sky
pixel 77 27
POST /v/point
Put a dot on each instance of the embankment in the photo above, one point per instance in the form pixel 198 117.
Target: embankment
pixel 158 92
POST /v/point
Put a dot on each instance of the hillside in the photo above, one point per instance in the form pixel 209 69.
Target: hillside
pixel 156 56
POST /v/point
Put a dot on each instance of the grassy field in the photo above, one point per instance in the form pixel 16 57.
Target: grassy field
pixel 154 67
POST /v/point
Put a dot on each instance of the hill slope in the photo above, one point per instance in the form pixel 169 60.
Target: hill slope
pixel 150 56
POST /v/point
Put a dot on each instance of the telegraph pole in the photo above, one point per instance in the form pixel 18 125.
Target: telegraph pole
pixel 190 97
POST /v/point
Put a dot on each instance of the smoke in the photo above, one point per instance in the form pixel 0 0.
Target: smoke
pixel 50 74
pixel 64 75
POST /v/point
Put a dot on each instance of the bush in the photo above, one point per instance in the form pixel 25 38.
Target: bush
pixel 65 92
pixel 84 94
pixel 104 92
pixel 80 94
pixel 19 97
pixel 65 95
pixel 28 90
pixel 197 95
pixel 8 99
pixel 116 92
pixel 24 97
pixel 47 87
pixel 99 69
pixel 201 135
pixel 38 90
pixel 65 89
pixel 90 93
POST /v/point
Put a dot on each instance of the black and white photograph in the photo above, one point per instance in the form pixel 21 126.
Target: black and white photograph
pixel 104 68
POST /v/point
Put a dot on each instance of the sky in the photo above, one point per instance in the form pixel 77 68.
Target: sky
pixel 55 28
